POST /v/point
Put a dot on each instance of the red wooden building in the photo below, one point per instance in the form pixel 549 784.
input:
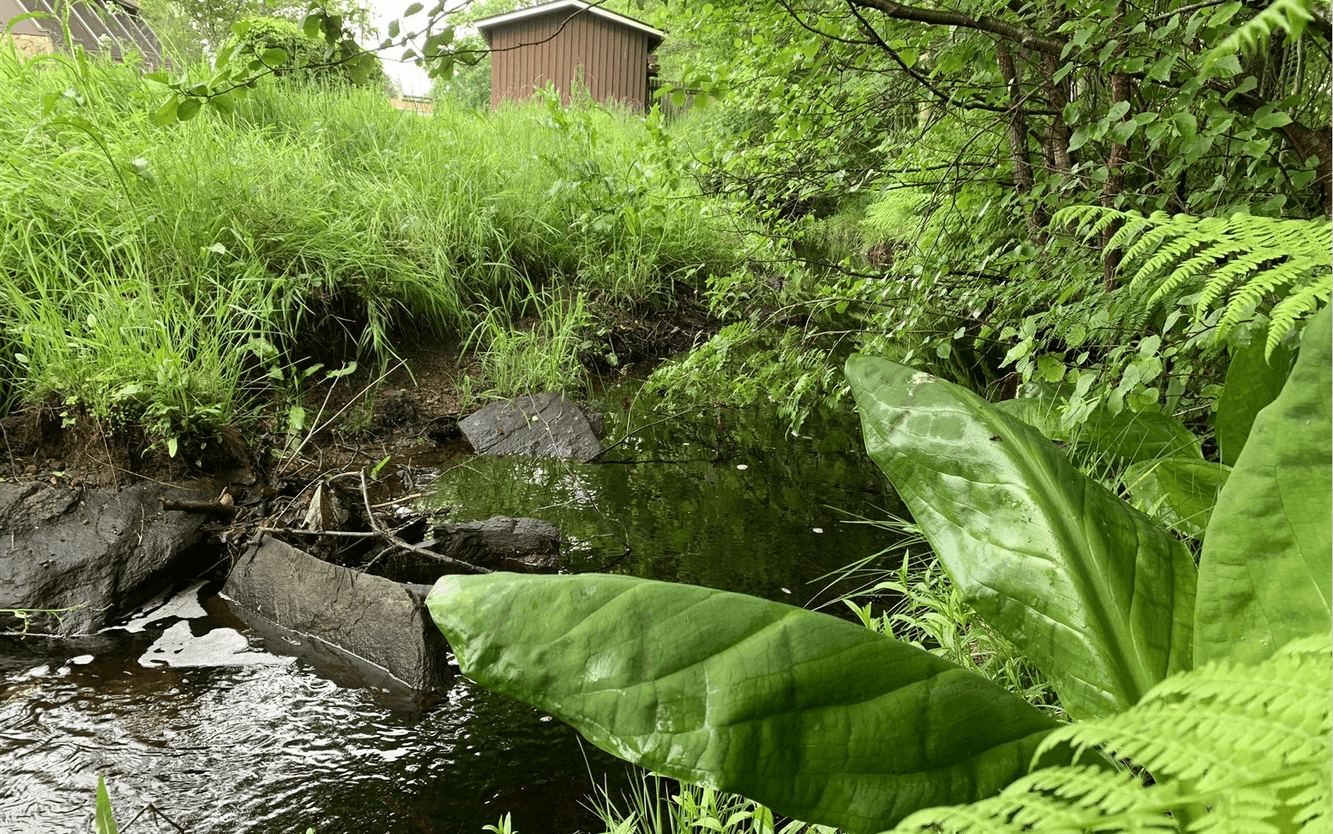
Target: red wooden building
pixel 573 45
pixel 110 27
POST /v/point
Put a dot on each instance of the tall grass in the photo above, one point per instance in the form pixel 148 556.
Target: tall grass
pixel 137 260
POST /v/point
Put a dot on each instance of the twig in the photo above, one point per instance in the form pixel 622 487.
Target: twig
pixel 206 507
pixel 629 434
pixel 414 496
pixel 347 534
pixel 399 543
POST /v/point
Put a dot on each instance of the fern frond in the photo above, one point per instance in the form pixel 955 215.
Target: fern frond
pixel 1290 16
pixel 1249 295
pixel 1090 220
pixel 1168 253
pixel 1258 264
pixel 1300 303
pixel 1133 225
pixel 1233 749
pixel 1242 263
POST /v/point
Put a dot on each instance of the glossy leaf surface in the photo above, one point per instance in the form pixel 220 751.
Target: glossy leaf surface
pixel 1090 589
pixel 1265 574
pixel 810 715
pixel 1254 379
pixel 1178 492
pixel 1117 439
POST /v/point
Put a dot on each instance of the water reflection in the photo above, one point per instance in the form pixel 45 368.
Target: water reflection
pixel 731 502
pixel 277 748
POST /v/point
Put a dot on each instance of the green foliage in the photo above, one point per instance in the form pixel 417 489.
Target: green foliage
pixel 927 610
pixel 285 48
pixel 194 30
pixel 739 693
pixel 1281 265
pixel 1048 557
pixel 1265 577
pixel 1287 16
pixel 543 357
pixel 650 808
pixel 743 365
pixel 1254 379
pixel 742 694
pixel 1178 492
pixel 103 819
pixel 140 261
pixel 1231 747
pixel 469 82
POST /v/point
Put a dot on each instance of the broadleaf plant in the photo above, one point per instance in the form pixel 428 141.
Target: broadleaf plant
pixel 792 709
pixel 1265 576
pixel 743 694
pixel 1099 597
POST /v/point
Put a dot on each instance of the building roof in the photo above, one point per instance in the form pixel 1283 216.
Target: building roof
pixel 572 7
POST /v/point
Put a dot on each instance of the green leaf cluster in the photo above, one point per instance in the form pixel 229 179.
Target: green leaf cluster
pixel 840 725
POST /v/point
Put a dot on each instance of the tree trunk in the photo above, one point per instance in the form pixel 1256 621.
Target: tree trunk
pixel 1115 180
pixel 1018 137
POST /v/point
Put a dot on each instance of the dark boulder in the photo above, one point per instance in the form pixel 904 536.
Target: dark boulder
pixel 101 553
pixel 373 619
pixel 523 545
pixel 541 425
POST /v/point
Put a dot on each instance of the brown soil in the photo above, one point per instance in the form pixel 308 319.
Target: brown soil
pixel 408 412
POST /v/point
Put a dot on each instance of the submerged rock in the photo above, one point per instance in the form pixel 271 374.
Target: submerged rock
pixel 372 619
pixel 94 555
pixel 542 425
pixel 524 545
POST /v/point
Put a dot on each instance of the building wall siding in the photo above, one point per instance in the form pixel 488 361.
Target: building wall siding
pixel 588 53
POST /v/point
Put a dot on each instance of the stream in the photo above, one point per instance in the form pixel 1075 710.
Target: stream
pixel 251 739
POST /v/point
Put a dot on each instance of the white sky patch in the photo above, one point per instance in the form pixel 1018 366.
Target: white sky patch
pixel 411 78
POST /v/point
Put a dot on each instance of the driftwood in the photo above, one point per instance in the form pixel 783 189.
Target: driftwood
pixel 214 508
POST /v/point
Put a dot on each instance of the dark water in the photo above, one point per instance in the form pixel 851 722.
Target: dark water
pixel 725 500
pixel 722 498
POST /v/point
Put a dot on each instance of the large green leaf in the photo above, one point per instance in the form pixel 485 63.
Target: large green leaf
pixel 1090 589
pixel 813 716
pixel 1178 492
pixel 1107 439
pixel 1254 379
pixel 1265 575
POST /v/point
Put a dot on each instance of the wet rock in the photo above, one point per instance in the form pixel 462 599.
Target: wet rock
pixel 524 545
pixel 100 552
pixel 542 425
pixel 376 620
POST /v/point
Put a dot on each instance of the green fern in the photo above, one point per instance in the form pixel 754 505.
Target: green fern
pixel 1241 264
pixel 1231 748
pixel 1290 16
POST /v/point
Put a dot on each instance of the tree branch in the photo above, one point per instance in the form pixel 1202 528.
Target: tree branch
pixel 985 23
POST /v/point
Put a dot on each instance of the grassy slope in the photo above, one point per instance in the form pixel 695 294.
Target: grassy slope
pixel 153 273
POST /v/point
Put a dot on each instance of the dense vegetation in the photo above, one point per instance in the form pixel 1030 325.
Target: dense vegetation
pixel 1104 225
pixel 181 277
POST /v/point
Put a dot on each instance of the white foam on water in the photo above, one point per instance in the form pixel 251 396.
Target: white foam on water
pixel 178 647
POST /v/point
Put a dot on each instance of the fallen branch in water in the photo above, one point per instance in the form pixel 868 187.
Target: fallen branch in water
pixel 399 543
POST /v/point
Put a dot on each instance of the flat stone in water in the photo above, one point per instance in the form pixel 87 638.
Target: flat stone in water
pixel 541 425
